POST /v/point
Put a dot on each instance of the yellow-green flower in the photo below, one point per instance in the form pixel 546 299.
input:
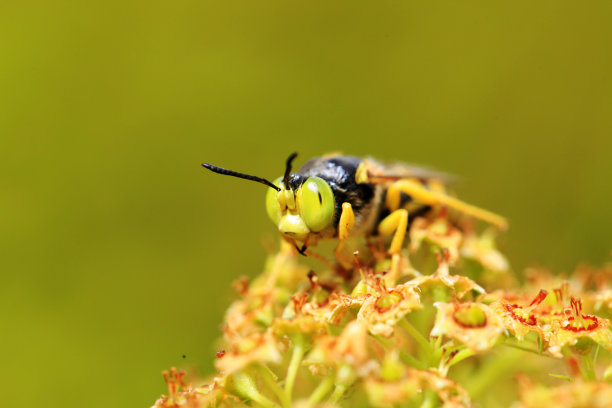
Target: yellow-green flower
pixel 256 348
pixel 567 328
pixel 473 324
pixel 439 232
pixel 382 309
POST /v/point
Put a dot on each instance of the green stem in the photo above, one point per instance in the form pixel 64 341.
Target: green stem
pixel 423 342
pixel 337 394
pixel 491 372
pixel 561 377
pixel 429 400
pixel 589 370
pixel 270 381
pixel 264 402
pixel 322 390
pixel 410 360
pixel 294 365
pixel 460 356
pixel 244 386
pixel 522 348
pixel 405 356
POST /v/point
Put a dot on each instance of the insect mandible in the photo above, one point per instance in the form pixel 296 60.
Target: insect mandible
pixel 336 196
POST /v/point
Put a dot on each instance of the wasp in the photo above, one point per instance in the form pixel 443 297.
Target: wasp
pixel 336 196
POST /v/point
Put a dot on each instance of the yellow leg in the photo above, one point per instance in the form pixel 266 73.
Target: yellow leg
pixel 395 223
pixel 345 225
pixel 435 197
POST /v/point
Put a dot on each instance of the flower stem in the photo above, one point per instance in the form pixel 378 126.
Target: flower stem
pixel 460 356
pixel 322 390
pixel 491 372
pixel 294 365
pixel 405 356
pixel 270 381
pixel 423 342
pixel 429 399
pixel 410 360
pixel 244 386
pixel 523 348
pixel 589 371
pixel 337 394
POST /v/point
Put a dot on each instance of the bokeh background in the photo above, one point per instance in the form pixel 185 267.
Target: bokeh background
pixel 117 248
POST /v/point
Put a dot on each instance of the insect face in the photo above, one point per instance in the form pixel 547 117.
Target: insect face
pixel 300 211
pixel 301 207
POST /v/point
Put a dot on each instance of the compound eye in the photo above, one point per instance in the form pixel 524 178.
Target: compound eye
pixel 317 203
pixel 272 205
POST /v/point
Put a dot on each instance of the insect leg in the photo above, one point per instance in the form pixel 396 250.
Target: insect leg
pixel 432 197
pixel 395 223
pixel 345 225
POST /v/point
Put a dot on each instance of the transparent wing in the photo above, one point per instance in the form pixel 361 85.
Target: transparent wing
pixel 399 170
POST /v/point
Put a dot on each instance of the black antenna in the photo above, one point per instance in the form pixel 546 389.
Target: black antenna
pixel 288 168
pixel 232 173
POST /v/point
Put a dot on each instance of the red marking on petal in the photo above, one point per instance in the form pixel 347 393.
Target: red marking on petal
pixel 592 326
pixel 576 305
pixel 298 302
pixel 531 321
pixel 451 355
pixel 539 298
pixel 220 353
pixel 443 256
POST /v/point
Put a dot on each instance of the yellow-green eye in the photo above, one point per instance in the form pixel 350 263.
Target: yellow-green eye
pixel 316 203
pixel 272 204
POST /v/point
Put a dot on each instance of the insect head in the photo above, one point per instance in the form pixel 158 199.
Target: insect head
pixel 299 206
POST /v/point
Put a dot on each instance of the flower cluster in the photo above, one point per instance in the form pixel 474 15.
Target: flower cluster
pixel 448 331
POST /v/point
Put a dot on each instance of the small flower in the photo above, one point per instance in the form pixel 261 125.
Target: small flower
pixel 325 304
pixel 569 395
pixel 251 313
pixel 256 348
pixel 473 324
pixel 520 320
pixel 460 285
pixel 333 309
pixel 349 348
pixel 573 325
pixel 199 397
pixel 301 325
pixel 594 279
pixel 382 309
pixel 451 393
pixel 383 393
pixel 602 298
pixel 439 232
pixel 483 250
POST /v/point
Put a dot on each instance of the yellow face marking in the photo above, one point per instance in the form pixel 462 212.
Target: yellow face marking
pixel 288 198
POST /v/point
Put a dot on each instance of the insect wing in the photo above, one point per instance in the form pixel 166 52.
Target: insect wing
pixel 397 170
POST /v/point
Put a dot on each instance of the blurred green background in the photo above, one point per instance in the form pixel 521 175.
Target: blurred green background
pixel 118 249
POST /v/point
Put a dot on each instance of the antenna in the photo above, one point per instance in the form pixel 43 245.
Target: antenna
pixel 288 168
pixel 232 173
